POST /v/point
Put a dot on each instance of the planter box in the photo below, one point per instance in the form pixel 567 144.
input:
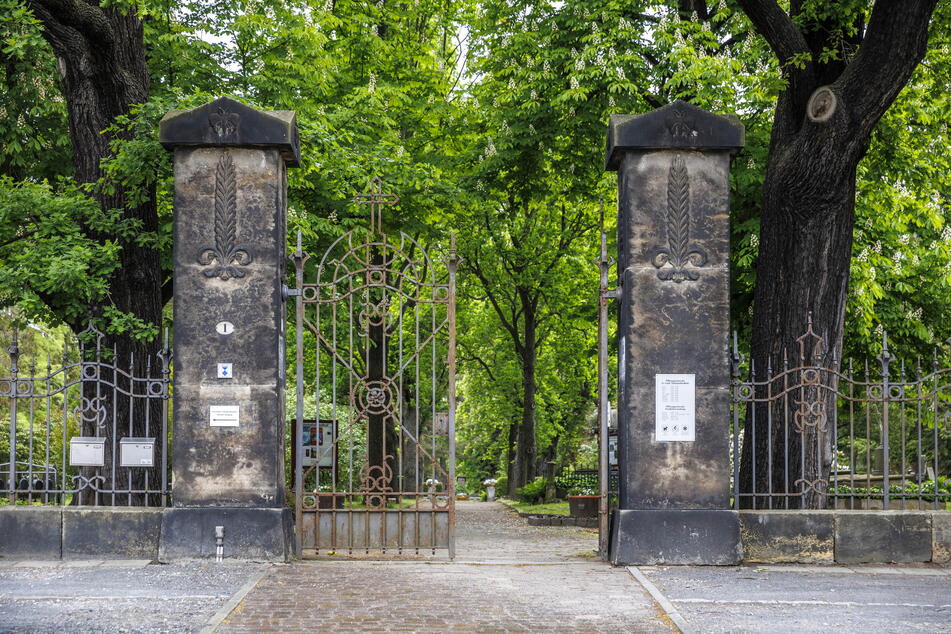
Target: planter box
pixel 583 505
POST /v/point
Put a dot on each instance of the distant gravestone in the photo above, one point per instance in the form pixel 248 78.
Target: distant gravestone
pixel 229 265
pixel 674 375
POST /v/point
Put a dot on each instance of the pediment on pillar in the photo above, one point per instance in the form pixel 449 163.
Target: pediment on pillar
pixel 677 125
pixel 226 122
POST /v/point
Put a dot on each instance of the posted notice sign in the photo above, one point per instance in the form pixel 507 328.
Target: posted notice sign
pixel 223 415
pixel 674 413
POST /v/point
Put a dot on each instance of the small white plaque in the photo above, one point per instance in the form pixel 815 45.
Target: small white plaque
pixel 225 371
pixel 223 415
pixel 674 413
pixel 224 327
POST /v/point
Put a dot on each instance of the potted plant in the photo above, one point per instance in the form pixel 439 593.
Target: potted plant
pixel 582 502
pixel 490 489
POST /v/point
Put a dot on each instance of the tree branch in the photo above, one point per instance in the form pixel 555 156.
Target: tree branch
pixel 896 40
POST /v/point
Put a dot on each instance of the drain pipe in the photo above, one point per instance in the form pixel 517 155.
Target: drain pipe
pixel 219 543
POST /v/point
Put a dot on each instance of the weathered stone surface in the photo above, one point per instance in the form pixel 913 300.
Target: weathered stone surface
pixel 804 537
pixel 257 534
pixel 225 122
pixel 673 258
pixel 677 125
pixel 679 537
pixel 243 465
pixel 31 532
pixel 883 537
pixel 111 533
pixel 941 537
pixel 675 475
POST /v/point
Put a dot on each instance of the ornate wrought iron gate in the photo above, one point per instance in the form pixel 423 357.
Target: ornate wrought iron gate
pixel 375 345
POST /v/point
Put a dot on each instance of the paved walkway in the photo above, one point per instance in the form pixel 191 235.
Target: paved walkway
pixel 507 577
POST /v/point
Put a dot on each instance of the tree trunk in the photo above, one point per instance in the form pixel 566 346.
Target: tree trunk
pixel 101 57
pixel 510 458
pixel 821 130
pixel 528 352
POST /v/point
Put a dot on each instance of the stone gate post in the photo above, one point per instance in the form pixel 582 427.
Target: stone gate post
pixel 674 321
pixel 229 261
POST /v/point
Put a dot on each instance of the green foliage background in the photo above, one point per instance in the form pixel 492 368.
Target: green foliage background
pixel 488 119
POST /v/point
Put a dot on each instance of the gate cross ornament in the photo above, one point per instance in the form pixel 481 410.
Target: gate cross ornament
pixel 375 197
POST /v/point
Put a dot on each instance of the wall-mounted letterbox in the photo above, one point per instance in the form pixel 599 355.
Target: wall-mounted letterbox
pixel 87 451
pixel 137 452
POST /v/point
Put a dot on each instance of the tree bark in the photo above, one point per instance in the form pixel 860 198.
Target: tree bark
pixel 101 57
pixel 821 131
pixel 525 446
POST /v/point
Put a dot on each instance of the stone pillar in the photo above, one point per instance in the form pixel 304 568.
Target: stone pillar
pixel 674 322
pixel 229 267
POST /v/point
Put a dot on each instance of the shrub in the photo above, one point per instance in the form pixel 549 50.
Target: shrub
pixel 533 492
pixel 502 486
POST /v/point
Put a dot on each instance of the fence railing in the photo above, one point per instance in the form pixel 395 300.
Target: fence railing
pixel 89 428
pixel 810 432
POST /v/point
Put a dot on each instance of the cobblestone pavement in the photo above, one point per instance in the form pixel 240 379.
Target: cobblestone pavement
pixel 120 596
pixel 751 598
pixel 507 576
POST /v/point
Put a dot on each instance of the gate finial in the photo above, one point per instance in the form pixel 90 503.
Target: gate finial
pixel 375 197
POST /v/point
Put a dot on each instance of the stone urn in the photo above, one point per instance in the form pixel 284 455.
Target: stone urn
pixel 490 493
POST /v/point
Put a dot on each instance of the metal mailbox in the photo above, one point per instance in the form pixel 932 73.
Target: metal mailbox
pixel 87 451
pixel 136 452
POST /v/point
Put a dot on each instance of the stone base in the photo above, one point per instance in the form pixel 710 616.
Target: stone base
pixel 883 537
pixel 801 537
pixel 111 533
pixel 259 534
pixel 686 537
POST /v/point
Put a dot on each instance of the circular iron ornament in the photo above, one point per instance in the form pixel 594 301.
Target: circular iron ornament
pixel 746 392
pixel 309 293
pixel 374 397
pixel 896 391
pixel 308 502
pixel 90 370
pixel 441 293
pixel 6 388
pixel 810 376
pixel 24 388
pixel 440 500
pixel 375 277
pixel 156 388
pixel 875 392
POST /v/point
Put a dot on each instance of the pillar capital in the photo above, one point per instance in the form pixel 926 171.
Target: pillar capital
pixel 225 122
pixel 678 125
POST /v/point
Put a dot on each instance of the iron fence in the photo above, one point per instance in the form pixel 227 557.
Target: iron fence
pixel 811 432
pixel 87 429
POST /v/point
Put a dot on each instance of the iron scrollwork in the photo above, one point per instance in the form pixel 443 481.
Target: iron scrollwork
pixel 225 258
pixel 678 254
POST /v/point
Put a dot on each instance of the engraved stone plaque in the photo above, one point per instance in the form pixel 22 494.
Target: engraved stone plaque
pixel 674 412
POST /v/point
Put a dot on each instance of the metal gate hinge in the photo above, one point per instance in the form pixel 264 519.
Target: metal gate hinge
pixel 286 291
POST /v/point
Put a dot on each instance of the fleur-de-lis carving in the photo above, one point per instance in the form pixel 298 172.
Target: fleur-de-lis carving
pixel 224 123
pixel 225 258
pixel 678 254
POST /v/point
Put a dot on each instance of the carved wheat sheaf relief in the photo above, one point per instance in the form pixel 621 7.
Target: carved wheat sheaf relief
pixel 678 253
pixel 225 259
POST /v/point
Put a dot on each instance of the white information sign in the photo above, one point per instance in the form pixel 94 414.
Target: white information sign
pixel 675 411
pixel 225 371
pixel 224 327
pixel 223 415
